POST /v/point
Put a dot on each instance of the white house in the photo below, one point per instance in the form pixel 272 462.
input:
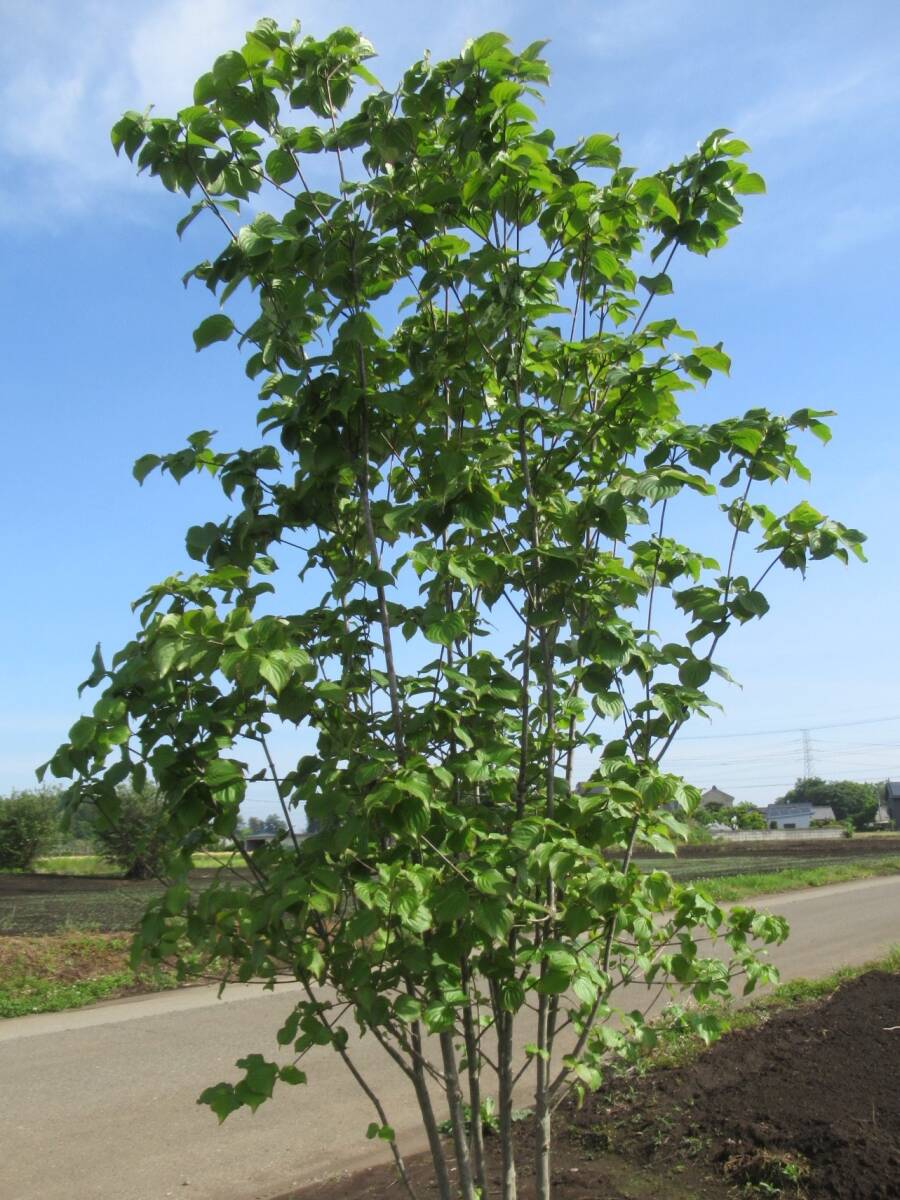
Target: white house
pixel 789 816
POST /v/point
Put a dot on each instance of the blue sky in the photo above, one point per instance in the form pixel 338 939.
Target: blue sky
pixel 100 367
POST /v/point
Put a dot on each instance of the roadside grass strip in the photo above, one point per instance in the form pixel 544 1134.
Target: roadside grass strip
pixel 69 970
pixel 742 887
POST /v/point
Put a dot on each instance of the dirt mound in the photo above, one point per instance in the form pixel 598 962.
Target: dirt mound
pixel 812 1098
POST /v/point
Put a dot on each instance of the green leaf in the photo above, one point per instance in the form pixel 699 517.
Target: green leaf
pixel 407 1009
pixel 144 465
pixel 222 773
pixel 205 89
pixel 228 69
pixel 83 732
pixel 447 629
pixel 749 184
pixel 258 1082
pixel 280 166
pixel 694 672
pixel 554 981
pixel 657 285
pixel 600 150
pixel 275 671
pixel 803 517
pixel 292 1075
pixel 217 328
pixel 493 916
pixel 483 47
pixel 714 358
pixel 222 1099
pixel 753 603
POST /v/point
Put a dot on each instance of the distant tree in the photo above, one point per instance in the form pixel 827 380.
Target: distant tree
pixel 749 817
pixel 28 827
pixel 741 816
pixel 136 837
pixel 273 823
pixel 850 801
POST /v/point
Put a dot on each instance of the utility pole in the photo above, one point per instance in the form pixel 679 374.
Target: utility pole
pixel 807 755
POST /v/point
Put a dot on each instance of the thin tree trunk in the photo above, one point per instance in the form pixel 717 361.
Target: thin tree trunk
pixel 435 1145
pixel 504 1022
pixel 542 1106
pixel 473 1069
pixel 457 1116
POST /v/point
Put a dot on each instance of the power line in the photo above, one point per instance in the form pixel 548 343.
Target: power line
pixel 702 737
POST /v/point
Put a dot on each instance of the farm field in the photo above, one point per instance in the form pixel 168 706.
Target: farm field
pixel 49 903
pixel 43 903
pixel 64 939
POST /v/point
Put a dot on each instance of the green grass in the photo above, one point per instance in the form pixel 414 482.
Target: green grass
pixel 216 858
pixel 31 994
pixel 93 864
pixel 69 970
pixel 74 864
pixel 741 887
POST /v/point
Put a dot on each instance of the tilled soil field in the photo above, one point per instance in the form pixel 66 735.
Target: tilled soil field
pixel 32 904
pixel 806 1105
pixel 39 903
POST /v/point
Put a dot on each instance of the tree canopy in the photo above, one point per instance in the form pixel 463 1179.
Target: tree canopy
pixel 850 801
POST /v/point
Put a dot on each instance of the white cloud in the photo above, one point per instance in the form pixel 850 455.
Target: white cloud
pixel 800 106
pixel 178 40
pixel 68 71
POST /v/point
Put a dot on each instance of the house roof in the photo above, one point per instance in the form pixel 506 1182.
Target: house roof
pixel 715 793
pixel 790 810
pixel 892 789
pixel 823 812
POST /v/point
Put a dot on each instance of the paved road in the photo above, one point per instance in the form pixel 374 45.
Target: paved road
pixel 99 1104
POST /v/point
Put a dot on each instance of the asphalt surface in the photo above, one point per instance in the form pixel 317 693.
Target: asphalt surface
pixel 100 1103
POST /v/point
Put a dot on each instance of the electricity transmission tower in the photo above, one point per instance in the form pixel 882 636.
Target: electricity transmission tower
pixel 807 755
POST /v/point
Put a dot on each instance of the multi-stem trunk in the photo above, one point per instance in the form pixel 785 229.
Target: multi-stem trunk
pixel 457 1116
pixel 473 1069
pixel 435 1145
pixel 504 1025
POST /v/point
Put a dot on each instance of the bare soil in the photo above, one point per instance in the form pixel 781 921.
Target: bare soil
pixel 66 958
pixel 816 1090
pixel 806 1105
pixel 37 903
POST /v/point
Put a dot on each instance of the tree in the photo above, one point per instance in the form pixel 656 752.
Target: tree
pixel 273 823
pixel 132 831
pixel 855 802
pixel 473 453
pixel 28 828
pixel 749 817
pixel 740 816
